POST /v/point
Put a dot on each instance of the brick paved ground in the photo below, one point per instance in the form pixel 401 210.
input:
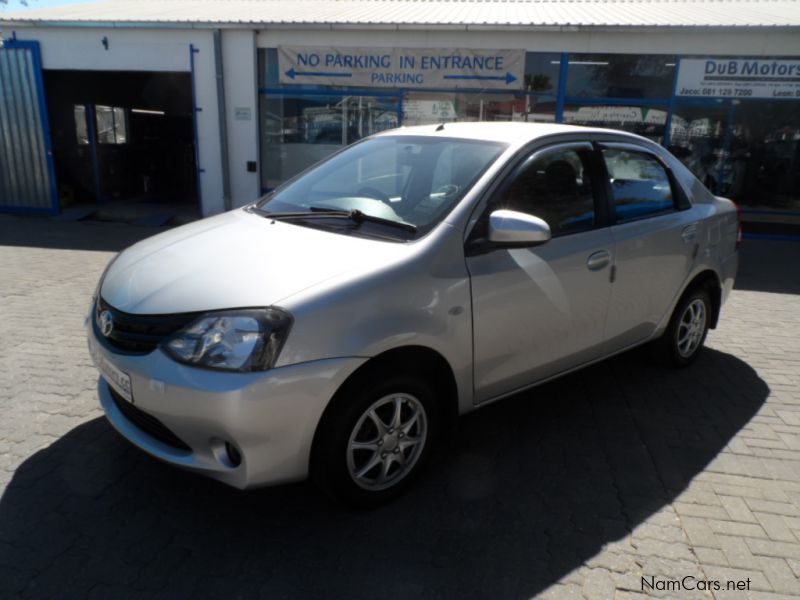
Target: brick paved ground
pixel 577 489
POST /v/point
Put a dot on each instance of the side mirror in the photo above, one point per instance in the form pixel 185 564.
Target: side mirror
pixel 512 228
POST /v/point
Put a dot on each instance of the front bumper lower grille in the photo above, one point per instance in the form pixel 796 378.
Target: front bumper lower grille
pixel 137 334
pixel 148 423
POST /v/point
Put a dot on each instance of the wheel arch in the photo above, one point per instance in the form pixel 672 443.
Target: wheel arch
pixel 710 280
pixel 414 359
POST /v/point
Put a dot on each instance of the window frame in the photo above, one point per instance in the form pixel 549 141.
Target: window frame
pixel 680 200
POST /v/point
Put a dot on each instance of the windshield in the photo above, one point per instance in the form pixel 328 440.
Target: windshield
pixel 408 179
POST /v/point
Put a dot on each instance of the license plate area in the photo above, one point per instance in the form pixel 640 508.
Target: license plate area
pixel 114 376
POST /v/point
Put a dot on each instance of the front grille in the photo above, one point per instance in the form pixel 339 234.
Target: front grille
pixel 148 423
pixel 138 334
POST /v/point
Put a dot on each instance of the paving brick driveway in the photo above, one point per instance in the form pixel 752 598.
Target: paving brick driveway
pixel 578 488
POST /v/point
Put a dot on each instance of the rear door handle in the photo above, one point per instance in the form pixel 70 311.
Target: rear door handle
pixel 689 232
pixel 598 260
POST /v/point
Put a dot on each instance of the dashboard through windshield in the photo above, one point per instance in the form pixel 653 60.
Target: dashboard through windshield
pixel 412 180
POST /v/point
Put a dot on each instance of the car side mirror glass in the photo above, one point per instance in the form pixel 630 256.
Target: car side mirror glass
pixel 509 227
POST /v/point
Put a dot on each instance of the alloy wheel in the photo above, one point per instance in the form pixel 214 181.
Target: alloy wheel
pixel 387 441
pixel 691 327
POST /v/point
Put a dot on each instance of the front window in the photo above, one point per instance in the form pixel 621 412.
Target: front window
pixel 407 179
pixel 556 187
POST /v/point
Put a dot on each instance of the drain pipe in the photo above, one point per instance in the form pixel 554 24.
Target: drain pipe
pixel 223 123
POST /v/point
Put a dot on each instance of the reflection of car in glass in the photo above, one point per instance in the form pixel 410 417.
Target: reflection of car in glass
pixel 336 326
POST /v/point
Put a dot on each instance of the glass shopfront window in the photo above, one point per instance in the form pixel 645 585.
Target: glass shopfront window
pixel 646 121
pixel 764 155
pixel 422 108
pixel 301 124
pixel 620 76
pixel 747 148
pixel 300 130
pixel 541 72
pixel 697 139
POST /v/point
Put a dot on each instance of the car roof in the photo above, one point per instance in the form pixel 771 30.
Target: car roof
pixel 513 132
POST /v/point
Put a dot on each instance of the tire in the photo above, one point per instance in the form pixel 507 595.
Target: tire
pixel 686 333
pixel 375 438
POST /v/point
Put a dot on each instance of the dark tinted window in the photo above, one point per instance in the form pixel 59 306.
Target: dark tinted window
pixel 640 185
pixel 556 187
pixel 541 72
pixel 620 75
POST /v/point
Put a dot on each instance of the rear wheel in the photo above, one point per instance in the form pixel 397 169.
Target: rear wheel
pixel 687 329
pixel 375 438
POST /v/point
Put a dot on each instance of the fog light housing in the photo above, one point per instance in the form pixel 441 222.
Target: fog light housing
pixel 234 456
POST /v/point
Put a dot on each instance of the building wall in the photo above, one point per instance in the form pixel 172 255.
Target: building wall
pixel 241 100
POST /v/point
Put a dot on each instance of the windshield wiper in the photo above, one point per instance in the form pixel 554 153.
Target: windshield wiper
pixel 355 215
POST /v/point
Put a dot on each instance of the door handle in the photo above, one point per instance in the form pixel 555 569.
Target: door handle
pixel 598 260
pixel 689 232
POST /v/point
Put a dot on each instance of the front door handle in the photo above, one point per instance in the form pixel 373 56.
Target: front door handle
pixel 598 260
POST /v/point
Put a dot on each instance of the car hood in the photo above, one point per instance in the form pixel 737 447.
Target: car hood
pixel 235 260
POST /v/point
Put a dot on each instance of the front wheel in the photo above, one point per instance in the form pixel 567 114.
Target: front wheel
pixel 374 439
pixel 687 330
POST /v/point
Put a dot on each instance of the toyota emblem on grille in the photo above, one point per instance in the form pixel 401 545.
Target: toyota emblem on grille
pixel 106 323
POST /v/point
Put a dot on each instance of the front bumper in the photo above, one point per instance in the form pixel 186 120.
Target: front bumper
pixel 269 417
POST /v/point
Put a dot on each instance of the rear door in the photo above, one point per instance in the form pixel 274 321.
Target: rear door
pixel 655 234
pixel 541 310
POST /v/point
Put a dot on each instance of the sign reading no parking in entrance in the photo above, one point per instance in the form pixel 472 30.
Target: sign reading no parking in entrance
pixel 402 67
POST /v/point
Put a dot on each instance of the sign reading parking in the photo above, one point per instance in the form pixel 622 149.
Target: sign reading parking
pixel 402 67
pixel 739 78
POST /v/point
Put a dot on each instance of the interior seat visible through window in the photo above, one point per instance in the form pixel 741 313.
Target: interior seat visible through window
pixel 556 187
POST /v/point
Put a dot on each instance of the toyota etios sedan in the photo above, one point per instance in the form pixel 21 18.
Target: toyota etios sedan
pixel 334 327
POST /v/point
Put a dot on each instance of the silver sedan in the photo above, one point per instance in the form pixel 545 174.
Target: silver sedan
pixel 337 325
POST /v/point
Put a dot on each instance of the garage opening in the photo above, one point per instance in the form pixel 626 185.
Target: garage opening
pixel 124 144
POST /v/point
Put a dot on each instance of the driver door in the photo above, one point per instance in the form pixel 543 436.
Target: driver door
pixel 541 310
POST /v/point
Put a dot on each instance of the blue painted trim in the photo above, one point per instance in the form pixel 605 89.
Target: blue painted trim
pixel 195 110
pixel 324 91
pixel 44 119
pixel 771 236
pixel 563 73
pixel 787 213
pixel 27 210
pixel 658 102
pixel 689 101
pixel 91 131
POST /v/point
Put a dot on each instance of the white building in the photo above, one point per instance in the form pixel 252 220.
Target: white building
pixel 210 104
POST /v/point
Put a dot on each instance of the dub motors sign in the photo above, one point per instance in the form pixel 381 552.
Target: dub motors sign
pixel 738 78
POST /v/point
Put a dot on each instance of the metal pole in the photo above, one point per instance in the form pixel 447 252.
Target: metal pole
pixel 223 124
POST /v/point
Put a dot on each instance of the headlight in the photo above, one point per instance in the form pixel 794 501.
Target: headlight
pixel 236 340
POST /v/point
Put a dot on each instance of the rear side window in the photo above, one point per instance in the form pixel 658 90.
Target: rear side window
pixel 640 185
pixel 556 187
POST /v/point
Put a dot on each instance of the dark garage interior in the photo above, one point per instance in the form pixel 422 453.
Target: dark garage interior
pixel 123 142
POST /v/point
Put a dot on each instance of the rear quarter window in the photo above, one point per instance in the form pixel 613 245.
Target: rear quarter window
pixel 639 183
